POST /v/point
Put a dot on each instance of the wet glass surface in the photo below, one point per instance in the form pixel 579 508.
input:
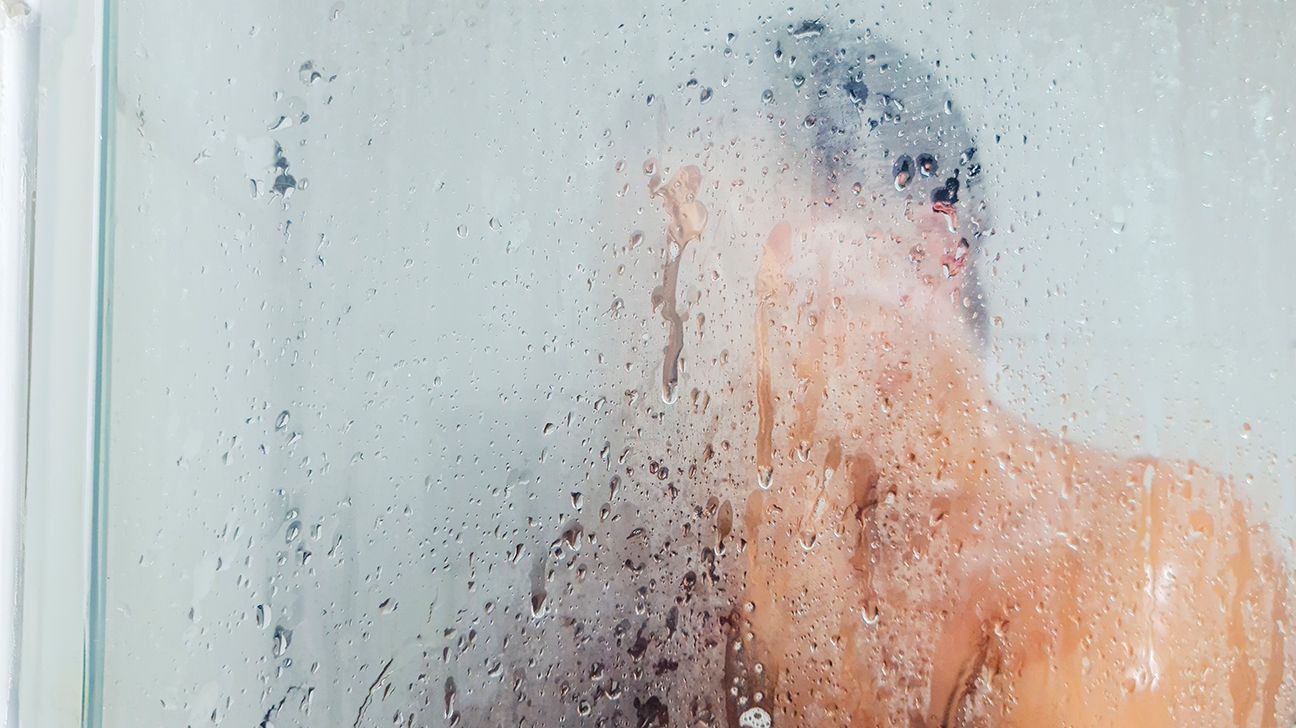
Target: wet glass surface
pixel 480 365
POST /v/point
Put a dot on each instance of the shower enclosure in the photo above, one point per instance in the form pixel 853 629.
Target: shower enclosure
pixel 406 363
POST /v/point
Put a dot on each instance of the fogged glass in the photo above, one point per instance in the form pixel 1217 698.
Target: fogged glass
pixel 490 364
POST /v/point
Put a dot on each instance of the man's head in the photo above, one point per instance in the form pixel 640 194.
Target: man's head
pixel 888 148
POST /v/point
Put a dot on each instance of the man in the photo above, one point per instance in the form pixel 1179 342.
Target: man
pixel 917 556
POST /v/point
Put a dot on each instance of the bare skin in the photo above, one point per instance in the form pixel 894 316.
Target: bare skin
pixel 919 557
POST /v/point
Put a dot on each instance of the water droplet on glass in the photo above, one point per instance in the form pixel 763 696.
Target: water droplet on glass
pixel 284 184
pixel 282 421
pixel 308 74
pixel 767 96
pixel 262 616
pixel 705 96
pixel 807 540
pixel 764 477
pixel 282 641
pixel 462 231
pixel 857 91
pixel 926 165
pixel 387 606
pixel 803 450
pixel 755 718
pixel 449 697
pixel 808 29
pixel 902 171
pixel 870 615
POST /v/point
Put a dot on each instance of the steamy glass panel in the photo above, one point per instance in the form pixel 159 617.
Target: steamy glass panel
pixel 473 364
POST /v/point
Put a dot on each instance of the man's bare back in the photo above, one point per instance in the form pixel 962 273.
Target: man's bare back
pixel 919 557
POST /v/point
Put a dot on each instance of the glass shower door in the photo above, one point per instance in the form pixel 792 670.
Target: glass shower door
pixel 478 364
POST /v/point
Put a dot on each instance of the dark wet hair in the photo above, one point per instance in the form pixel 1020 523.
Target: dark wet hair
pixel 873 112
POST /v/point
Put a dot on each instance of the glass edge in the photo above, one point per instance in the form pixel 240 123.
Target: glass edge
pixel 93 678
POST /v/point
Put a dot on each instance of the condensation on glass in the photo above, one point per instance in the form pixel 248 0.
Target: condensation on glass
pixel 479 364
